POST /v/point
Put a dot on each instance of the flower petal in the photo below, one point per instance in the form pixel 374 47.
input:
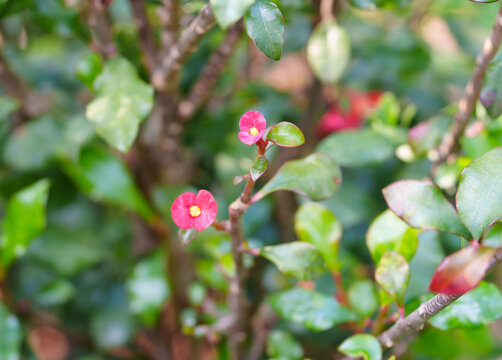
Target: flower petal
pixel 252 119
pixel 180 210
pixel 208 208
pixel 248 139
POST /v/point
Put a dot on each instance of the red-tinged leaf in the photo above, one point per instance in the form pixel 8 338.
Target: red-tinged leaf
pixel 462 271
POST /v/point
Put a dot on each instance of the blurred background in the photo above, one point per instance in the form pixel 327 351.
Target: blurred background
pixel 100 280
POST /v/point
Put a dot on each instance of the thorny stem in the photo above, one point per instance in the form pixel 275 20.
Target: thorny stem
pixel 237 300
pixel 467 104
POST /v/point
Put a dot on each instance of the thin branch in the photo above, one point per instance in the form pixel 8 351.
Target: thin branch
pixel 145 32
pixel 237 300
pixel 467 103
pixel 417 319
pixel 101 28
pixel 164 77
pixel 326 10
pixel 169 15
pixel 200 93
pixel 31 103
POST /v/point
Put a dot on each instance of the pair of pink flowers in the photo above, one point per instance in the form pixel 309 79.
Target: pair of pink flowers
pixel 199 211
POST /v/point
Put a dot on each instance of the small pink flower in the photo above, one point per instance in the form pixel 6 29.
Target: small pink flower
pixel 252 125
pixel 190 210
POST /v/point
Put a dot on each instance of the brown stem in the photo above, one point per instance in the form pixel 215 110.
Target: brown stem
pixel 417 319
pixel 237 299
pixel 341 295
pixel 467 104
pixel 169 15
pixel 326 10
pixel 201 91
pixel 101 28
pixel 165 76
pixel 145 32
pixel 30 103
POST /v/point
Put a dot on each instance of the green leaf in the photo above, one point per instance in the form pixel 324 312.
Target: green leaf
pixel 35 146
pixel 315 224
pixel 123 102
pixel 427 135
pixel 362 345
pixel 186 236
pixel 382 4
pixel 328 51
pixel 393 275
pixel 316 177
pixel 105 177
pixel 88 67
pixel 148 288
pixel 112 327
pixel 423 206
pixel 265 25
pixel 387 232
pixel 363 297
pixel 479 195
pixel 314 310
pixel 12 335
pixel 227 12
pixel 297 259
pixel 357 148
pixel 479 307
pixel 24 220
pixel 281 345
pixel 286 134
pixel 56 293
pixel 258 169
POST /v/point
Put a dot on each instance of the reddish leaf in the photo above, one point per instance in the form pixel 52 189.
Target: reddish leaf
pixel 462 271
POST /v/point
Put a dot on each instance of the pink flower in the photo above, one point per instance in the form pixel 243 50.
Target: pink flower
pixel 252 125
pixel 190 210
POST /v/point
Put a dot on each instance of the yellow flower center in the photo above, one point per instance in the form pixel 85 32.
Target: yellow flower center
pixel 254 131
pixel 194 211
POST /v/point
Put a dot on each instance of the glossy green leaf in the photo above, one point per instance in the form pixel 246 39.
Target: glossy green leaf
pixel 393 275
pixel 24 220
pixel 227 12
pixel 316 224
pixel 328 51
pixel 265 25
pixel 478 307
pixel 362 345
pixel 105 177
pixel 479 195
pixel 281 345
pixel 148 288
pixel 423 206
pixel 357 148
pixel 317 177
pixel 314 310
pixel 297 259
pixel 7 106
pixel 186 236
pixel 363 297
pixel 258 169
pixel 381 4
pixel 88 67
pixel 387 232
pixel 286 134
pixel 123 101
pixel 12 335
